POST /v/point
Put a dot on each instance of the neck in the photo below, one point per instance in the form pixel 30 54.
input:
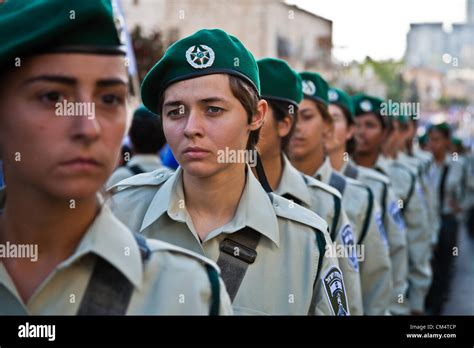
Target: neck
pixel 337 158
pixel 55 226
pixel 216 197
pixel 273 166
pixel 440 157
pixel 311 163
pixel 367 159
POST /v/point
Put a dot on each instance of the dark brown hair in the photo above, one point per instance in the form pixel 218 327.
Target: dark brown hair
pixel 282 109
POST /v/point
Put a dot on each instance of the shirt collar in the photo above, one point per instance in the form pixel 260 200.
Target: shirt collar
pixel 170 198
pixel 292 183
pixel 324 172
pixel 109 239
pixel 144 159
pixel 344 166
pixel 383 164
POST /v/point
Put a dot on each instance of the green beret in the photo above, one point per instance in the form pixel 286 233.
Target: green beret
pixel 143 113
pixel 442 126
pixel 342 99
pixel 423 139
pixel 206 52
pixel 44 26
pixel 364 104
pixel 456 141
pixel 315 87
pixel 280 82
pixel 403 119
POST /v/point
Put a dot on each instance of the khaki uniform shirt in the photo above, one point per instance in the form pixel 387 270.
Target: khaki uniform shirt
pixel 171 281
pixel 395 231
pixel 285 277
pixel 375 267
pixel 419 231
pixel 319 197
pixel 453 184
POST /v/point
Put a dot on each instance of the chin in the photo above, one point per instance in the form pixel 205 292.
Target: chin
pixel 80 189
pixel 199 169
pixel 297 153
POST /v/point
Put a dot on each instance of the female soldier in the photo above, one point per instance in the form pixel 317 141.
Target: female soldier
pixel 282 89
pixel 376 267
pixel 83 260
pixel 307 153
pixel 206 89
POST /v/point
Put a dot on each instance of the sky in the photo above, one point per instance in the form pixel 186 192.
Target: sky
pixel 378 28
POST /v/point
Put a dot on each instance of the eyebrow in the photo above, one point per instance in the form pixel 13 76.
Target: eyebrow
pixel 202 101
pixel 70 81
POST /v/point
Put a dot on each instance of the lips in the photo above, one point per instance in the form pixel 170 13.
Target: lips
pixel 82 163
pixel 297 141
pixel 195 152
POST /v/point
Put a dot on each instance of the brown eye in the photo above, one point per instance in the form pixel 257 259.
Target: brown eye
pixel 112 99
pixel 51 97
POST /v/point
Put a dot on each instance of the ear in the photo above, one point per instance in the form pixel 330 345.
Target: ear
pixel 284 126
pixel 259 117
pixel 328 130
pixel 350 131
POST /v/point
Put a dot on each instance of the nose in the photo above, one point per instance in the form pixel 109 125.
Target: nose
pixel 85 127
pixel 194 125
pixel 297 125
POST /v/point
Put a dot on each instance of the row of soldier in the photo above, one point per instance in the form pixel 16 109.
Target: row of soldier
pixel 340 213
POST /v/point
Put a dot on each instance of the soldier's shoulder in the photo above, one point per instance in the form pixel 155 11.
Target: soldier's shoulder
pixel 357 186
pixel 318 185
pixel 287 209
pixel 153 179
pixel 374 175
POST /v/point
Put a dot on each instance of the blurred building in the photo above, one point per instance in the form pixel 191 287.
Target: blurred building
pixel 267 27
pixel 440 64
pixel 430 46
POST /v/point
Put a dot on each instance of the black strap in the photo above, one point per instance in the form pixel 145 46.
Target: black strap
pixel 365 226
pixel 322 249
pixel 136 169
pixel 384 201
pixel 410 191
pixel 338 182
pixel 337 214
pixel 441 187
pixel 237 252
pixel 109 291
pixel 351 171
pixel 261 175
pixel 215 289
pixel 292 198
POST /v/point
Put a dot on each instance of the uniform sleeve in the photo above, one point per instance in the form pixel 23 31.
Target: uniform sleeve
pixel 349 264
pixel 419 250
pixel 398 257
pixel 431 198
pixel 375 269
pixel 329 293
